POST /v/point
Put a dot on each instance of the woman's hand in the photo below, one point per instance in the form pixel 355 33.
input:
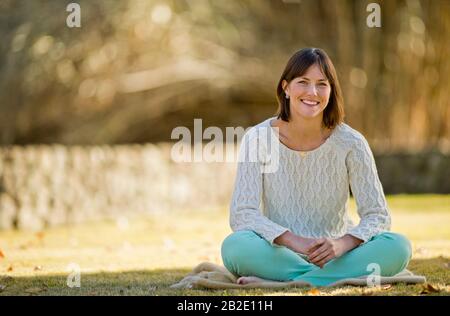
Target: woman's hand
pixel 323 250
pixel 294 242
pixel 302 244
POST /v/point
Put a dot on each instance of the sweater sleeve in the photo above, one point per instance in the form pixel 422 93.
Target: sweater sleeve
pixel 367 191
pixel 245 213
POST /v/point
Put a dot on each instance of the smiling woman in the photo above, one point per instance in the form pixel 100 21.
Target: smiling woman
pixel 303 231
pixel 310 75
pixel 308 88
pixel 311 90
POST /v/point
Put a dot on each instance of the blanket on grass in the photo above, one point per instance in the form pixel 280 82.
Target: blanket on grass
pixel 212 276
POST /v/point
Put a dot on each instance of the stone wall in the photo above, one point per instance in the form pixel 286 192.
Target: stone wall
pixel 48 185
pixel 425 172
pixel 53 184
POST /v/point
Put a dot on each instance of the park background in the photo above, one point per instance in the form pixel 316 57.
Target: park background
pixel 86 116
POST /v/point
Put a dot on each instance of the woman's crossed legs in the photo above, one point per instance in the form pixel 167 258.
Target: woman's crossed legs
pixel 245 253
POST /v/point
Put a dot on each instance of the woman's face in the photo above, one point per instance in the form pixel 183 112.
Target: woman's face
pixel 309 93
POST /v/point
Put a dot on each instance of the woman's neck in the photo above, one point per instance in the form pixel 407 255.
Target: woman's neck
pixel 306 130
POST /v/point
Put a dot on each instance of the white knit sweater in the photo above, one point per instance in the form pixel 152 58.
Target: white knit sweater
pixel 308 195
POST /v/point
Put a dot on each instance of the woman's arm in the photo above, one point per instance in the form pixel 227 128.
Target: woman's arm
pixel 371 205
pixel 349 242
pixel 245 213
pixel 367 191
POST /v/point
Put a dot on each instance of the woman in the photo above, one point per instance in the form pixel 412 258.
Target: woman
pixel 304 232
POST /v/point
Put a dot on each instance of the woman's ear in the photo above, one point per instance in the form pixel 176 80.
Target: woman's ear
pixel 285 86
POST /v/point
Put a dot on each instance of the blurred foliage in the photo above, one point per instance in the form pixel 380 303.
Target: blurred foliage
pixel 136 69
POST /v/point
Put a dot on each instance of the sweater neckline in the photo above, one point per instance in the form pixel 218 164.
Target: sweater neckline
pixel 300 152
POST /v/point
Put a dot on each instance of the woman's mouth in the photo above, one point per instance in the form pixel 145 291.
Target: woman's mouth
pixel 309 102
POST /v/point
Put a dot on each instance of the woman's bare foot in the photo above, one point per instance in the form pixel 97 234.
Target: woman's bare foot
pixel 249 279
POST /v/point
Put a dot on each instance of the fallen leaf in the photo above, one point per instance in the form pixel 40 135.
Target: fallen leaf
pixel 2 255
pixel 314 291
pixel 37 268
pixel 109 248
pixel 386 287
pixel 10 268
pixel 34 290
pixel 40 235
pixel 428 288
pixel 432 289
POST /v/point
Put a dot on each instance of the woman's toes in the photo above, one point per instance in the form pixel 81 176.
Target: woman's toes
pixel 249 279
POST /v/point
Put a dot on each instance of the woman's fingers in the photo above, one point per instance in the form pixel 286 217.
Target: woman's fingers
pixel 320 257
pixel 315 245
pixel 322 262
pixel 322 250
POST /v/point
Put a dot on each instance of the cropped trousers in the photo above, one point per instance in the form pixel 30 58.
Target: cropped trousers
pixel 245 253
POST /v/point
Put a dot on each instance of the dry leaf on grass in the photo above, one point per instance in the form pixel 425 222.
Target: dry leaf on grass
pixel 37 268
pixel 2 255
pixel 40 235
pixel 313 291
pixel 34 290
pixel 386 287
pixel 428 288
pixel 10 268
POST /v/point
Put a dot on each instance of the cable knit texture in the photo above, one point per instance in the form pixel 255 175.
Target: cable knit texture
pixel 308 195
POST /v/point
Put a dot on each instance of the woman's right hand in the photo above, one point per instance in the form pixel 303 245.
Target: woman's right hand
pixel 296 243
pixel 302 244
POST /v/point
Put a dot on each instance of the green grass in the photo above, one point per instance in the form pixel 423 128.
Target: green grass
pixel 144 255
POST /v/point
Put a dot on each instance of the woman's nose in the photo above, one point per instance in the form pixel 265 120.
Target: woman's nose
pixel 312 89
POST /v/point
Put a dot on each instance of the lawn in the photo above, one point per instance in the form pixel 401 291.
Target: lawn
pixel 143 255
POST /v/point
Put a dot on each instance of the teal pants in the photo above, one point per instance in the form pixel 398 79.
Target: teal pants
pixel 245 253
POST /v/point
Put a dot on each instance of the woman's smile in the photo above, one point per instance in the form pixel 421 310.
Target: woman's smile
pixel 309 93
pixel 309 102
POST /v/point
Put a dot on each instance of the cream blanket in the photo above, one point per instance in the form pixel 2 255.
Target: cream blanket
pixel 212 276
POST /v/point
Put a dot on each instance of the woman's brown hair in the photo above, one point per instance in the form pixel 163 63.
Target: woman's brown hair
pixel 297 65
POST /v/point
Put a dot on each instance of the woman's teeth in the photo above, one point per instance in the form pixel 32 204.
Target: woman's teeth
pixel 308 102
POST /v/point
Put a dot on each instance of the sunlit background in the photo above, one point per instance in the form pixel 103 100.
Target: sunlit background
pixel 136 69
pixel 86 116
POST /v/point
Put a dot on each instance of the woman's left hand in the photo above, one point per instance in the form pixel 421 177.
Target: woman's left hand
pixel 324 249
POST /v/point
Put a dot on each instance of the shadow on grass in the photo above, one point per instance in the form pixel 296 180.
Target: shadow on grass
pixel 157 282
